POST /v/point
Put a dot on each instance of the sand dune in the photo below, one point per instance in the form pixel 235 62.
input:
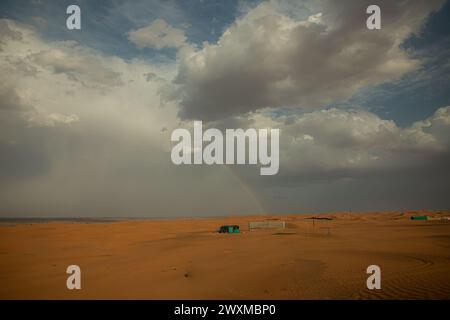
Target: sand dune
pixel 187 259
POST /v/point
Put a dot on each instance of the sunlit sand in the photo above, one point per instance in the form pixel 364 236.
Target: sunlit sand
pixel 188 259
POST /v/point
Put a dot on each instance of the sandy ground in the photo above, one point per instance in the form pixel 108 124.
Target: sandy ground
pixel 187 259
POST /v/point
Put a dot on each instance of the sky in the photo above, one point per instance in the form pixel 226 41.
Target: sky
pixel 86 115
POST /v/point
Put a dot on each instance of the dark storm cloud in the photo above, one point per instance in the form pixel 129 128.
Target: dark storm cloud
pixel 266 59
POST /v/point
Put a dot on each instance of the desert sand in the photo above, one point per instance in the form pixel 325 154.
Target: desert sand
pixel 188 259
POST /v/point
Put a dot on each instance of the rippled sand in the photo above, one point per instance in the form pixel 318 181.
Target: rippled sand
pixel 187 259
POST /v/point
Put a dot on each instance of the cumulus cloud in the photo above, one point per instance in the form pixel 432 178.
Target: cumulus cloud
pixel 341 143
pixel 72 60
pixel 270 58
pixel 159 34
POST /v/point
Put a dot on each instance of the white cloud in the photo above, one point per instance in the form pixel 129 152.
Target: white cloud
pixel 341 143
pixel 159 34
pixel 78 64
